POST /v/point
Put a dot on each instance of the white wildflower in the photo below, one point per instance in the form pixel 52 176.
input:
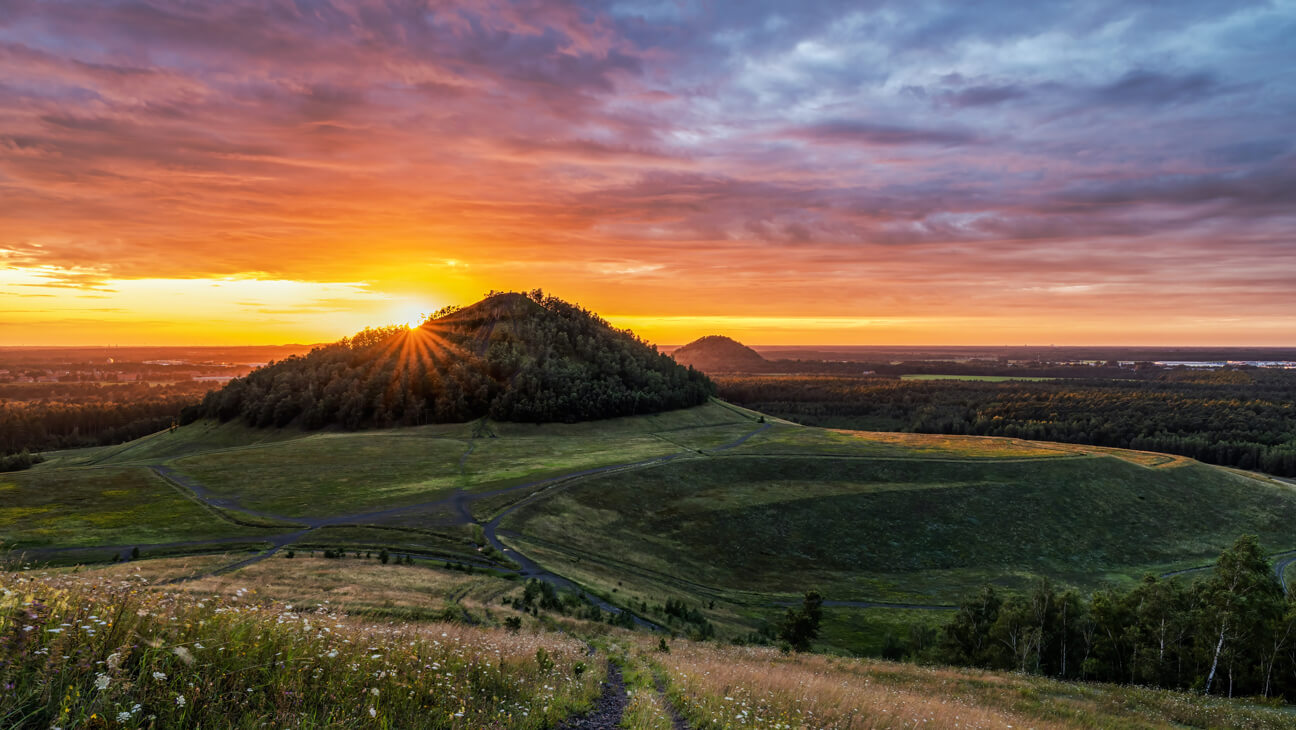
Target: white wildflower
pixel 180 701
pixel 159 676
pixel 114 660
pixel 123 716
pixel 102 681
pixel 373 712
pixel 183 653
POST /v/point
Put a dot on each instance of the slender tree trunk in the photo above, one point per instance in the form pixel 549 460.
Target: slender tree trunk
pixel 1161 652
pixel 1219 646
pixel 1277 649
pixel 1064 640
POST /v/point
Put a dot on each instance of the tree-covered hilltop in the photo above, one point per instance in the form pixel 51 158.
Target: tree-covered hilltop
pixel 512 357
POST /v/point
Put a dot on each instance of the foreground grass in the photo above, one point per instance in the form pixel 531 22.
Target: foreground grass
pixel 754 687
pixel 111 649
pixel 105 652
pixel 365 586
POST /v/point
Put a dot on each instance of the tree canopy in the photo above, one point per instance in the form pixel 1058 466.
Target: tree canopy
pixel 512 357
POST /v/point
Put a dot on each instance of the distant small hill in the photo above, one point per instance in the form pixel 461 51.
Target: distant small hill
pixel 511 356
pixel 717 353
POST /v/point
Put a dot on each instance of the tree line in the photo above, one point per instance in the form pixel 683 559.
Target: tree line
pixel 78 416
pixel 1245 419
pixel 1232 633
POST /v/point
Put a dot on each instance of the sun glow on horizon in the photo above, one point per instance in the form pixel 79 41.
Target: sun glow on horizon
pixel 411 314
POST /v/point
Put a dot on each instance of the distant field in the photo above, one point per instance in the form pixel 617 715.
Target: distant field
pixel 788 439
pixel 981 378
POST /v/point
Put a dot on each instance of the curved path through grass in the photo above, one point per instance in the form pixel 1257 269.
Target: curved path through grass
pixel 460 503
pixel 232 510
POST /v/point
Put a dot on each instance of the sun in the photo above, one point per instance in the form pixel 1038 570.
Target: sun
pixel 410 314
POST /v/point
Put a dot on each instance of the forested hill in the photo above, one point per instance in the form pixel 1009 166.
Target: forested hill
pixel 512 357
pixel 717 353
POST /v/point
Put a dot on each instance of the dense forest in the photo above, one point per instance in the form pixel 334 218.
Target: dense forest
pixel 42 417
pixel 1244 418
pixel 512 357
pixel 1232 633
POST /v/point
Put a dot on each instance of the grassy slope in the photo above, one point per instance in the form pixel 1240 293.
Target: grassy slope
pixel 981 378
pixel 861 516
pixel 105 646
pixel 757 687
pixel 102 506
pixel 900 518
pixel 240 657
pixel 107 495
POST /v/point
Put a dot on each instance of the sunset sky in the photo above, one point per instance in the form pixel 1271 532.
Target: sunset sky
pixel 782 172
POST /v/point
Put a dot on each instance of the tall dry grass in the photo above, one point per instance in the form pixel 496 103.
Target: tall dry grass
pixel 751 687
pixel 736 687
pixel 86 651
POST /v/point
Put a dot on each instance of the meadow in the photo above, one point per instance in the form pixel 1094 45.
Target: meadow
pixel 116 648
pixel 119 506
pixel 927 528
pixel 729 511
pixel 980 378
pixel 106 652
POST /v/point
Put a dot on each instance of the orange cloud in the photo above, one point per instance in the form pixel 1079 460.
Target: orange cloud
pixel 232 172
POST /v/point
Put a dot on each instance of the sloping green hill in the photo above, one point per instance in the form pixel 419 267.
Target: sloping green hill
pixel 920 527
pixel 710 505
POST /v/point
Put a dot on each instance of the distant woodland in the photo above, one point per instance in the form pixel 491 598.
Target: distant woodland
pixel 1244 418
pixel 512 357
pixel 44 416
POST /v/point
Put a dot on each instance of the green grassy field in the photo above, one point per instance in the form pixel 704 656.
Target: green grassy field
pixel 862 516
pixel 918 530
pixel 981 378
pixel 74 507
pixel 110 496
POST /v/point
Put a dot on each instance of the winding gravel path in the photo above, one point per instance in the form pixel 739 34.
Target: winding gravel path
pixel 611 705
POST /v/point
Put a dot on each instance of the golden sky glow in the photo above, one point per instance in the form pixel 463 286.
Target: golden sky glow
pixel 230 173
